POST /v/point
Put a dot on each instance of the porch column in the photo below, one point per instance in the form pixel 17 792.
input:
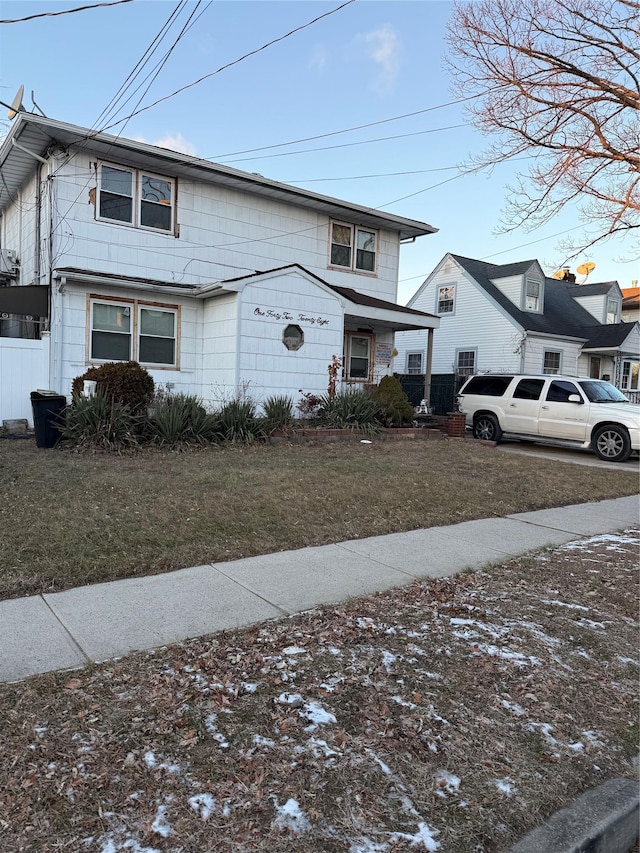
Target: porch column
pixel 427 370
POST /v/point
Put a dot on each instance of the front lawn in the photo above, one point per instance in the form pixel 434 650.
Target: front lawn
pixel 70 518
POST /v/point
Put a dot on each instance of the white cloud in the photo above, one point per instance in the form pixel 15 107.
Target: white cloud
pixel 383 47
pixel 175 142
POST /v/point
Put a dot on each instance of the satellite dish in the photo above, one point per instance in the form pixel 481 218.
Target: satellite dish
pixel 559 274
pixel 16 105
pixel 585 269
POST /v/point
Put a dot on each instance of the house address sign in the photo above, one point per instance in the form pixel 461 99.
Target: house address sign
pixel 287 315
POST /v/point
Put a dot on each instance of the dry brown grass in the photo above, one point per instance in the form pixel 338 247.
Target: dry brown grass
pixel 459 712
pixel 68 519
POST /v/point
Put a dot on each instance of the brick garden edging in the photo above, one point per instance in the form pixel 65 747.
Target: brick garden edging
pixel 452 425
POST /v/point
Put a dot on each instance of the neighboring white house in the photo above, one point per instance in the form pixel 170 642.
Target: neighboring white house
pixel 513 318
pixel 216 280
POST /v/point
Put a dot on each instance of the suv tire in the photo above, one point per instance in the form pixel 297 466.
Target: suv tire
pixel 487 428
pixel 611 443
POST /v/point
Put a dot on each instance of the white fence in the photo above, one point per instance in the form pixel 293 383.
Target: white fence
pixel 24 367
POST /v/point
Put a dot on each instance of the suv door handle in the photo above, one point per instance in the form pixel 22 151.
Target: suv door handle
pixel 544 407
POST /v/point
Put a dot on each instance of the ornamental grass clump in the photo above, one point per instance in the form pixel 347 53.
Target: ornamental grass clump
pixel 278 412
pixel 352 409
pixel 237 423
pixel 100 422
pixel 180 419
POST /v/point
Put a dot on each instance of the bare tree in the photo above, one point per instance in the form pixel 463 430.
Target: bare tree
pixel 556 80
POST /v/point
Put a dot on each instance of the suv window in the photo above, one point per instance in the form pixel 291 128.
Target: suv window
pixel 490 386
pixel 528 389
pixel 560 390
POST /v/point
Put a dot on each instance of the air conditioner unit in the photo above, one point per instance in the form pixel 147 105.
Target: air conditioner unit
pixel 9 265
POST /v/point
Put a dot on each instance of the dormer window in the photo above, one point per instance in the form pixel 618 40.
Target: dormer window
pixel 532 295
pixel 612 311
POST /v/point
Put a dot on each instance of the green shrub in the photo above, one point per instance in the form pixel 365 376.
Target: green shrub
pixel 100 421
pixel 180 419
pixel 395 407
pixel 237 422
pixel 123 381
pixel 350 408
pixel 278 412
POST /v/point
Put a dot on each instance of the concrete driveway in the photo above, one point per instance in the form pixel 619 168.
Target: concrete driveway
pixel 562 454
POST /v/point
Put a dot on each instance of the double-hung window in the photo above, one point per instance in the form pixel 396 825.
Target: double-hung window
pixel 551 362
pixel 612 311
pixel 466 362
pixel 414 362
pixel 135 197
pixel 131 330
pixel 446 299
pixel 353 248
pixel 532 295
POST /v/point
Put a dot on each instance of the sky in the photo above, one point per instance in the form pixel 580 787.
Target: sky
pixel 369 80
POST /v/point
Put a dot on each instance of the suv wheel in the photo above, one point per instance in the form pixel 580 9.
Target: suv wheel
pixel 612 444
pixel 487 428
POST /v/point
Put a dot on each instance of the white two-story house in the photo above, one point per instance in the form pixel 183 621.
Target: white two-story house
pixel 216 280
pixel 512 318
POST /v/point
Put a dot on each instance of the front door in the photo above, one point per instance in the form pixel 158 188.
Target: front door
pixel 594 368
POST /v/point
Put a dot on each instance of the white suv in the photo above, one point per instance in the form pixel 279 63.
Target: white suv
pixel 562 410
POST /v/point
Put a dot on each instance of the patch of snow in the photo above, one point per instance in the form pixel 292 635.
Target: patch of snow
pixel 576 747
pixel 130 844
pixel 203 804
pixel 516 709
pixel 559 603
pixel 447 783
pixel 593 738
pixel 388 659
pixel 150 760
pixel 161 825
pixel 258 740
pixel 506 786
pixel 290 699
pixel 212 728
pixel 501 652
pixel 422 838
pixel 249 687
pixel 316 715
pixel 294 650
pixel 321 747
pixel 627 660
pixel 589 623
pixel 291 817
pixel 400 701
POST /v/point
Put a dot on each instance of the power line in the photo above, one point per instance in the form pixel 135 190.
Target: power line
pixel 146 56
pixel 348 144
pixel 230 64
pixel 62 12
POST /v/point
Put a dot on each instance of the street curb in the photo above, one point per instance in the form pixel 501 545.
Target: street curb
pixel 602 820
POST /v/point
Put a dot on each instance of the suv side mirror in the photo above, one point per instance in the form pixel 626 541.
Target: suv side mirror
pixel 575 398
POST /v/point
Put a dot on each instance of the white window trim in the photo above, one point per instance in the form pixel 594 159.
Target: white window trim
pixel 136 198
pixel 354 229
pixel 628 386
pixel 413 371
pixel 135 307
pixel 615 313
pixel 347 361
pixel 540 307
pixel 555 372
pixel 453 307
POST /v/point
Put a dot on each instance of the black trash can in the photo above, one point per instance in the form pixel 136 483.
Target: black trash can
pixel 47 416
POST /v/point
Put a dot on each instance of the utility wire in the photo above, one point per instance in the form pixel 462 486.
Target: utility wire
pixel 230 64
pixel 146 56
pixel 62 12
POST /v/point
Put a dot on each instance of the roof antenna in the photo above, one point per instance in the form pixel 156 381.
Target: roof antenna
pixel 33 101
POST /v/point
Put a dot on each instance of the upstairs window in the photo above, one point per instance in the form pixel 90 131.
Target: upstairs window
pixel 532 295
pixel 353 248
pixel 135 198
pixel 612 311
pixel 446 299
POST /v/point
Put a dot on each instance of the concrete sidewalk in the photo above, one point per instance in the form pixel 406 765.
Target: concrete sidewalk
pixel 69 629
